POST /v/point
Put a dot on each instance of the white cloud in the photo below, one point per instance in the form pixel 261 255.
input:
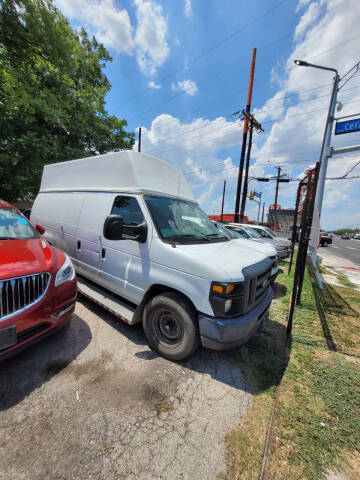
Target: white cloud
pixel 306 20
pixel 112 26
pixel 187 86
pixel 109 24
pixel 150 36
pixel 154 85
pixel 195 148
pixel 301 4
pixel 295 139
pixel 188 8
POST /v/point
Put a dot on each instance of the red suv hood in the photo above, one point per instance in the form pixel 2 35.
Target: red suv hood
pixel 24 257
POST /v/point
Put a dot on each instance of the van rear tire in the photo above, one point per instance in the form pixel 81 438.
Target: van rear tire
pixel 171 326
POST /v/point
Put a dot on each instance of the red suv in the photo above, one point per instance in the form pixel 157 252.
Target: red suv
pixel 37 283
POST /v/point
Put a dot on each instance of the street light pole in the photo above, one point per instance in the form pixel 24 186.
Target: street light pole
pixel 325 147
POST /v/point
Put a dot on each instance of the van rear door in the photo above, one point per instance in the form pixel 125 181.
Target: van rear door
pixel 88 243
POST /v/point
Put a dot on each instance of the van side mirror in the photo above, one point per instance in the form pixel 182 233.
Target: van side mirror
pixel 113 227
pixel 138 232
pixel 40 229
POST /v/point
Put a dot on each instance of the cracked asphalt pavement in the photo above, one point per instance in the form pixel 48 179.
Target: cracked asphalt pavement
pixel 94 402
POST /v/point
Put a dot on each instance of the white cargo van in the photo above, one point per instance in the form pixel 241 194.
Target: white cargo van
pixel 144 249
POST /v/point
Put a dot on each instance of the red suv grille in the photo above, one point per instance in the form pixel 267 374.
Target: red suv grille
pixel 19 293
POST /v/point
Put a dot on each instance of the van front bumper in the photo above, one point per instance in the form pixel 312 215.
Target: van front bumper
pixel 225 333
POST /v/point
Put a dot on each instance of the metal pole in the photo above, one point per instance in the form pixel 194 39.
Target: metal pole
pixel 222 205
pixel 262 216
pixel 325 148
pixel 139 142
pixel 245 187
pixel 258 217
pixel 245 130
pixel 277 185
pixel 294 229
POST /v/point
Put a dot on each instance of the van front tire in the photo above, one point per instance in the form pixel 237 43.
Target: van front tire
pixel 171 327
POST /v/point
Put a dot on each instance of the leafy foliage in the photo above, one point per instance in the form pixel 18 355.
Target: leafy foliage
pixel 52 95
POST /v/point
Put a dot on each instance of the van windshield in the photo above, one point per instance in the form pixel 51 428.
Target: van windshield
pixel 13 226
pixel 181 221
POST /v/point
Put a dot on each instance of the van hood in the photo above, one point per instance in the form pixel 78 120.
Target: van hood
pixel 222 261
pixel 25 257
pixel 263 247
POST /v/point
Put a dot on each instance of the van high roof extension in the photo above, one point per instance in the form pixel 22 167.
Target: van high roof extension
pixel 125 171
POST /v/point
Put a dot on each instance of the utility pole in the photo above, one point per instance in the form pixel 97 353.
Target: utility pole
pixel 277 185
pixel 222 205
pixel 245 130
pixel 253 123
pixel 139 142
pixel 262 217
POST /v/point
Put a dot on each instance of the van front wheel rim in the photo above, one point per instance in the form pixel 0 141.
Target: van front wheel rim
pixel 168 327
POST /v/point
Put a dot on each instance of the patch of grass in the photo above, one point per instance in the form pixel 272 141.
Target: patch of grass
pixel 318 417
pixel 317 424
pixel 245 445
pixel 262 371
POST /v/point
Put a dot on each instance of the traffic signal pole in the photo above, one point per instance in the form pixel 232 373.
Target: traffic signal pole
pixel 222 204
pixel 245 131
pixel 277 185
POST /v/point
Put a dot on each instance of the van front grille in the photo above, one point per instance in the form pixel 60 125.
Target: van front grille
pixel 19 293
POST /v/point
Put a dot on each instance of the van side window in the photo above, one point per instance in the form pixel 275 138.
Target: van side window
pixel 129 209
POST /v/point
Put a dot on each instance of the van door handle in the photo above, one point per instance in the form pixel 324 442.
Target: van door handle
pixel 103 253
pixel 78 245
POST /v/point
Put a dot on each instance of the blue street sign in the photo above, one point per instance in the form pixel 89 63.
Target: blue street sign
pixel 256 194
pixel 348 126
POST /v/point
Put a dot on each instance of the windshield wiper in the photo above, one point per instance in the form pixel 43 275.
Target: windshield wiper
pixel 187 236
pixel 7 238
pixel 215 235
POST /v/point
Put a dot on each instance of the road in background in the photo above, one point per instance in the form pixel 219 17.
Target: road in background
pixel 347 249
pixel 343 257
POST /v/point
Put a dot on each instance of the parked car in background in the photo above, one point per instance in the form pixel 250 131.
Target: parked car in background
pixel 325 239
pixel 145 250
pixel 37 283
pixel 282 246
pixel 261 247
pixel 345 236
pixel 357 236
pixel 266 232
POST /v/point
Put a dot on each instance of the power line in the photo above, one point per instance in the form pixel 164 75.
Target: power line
pixel 206 52
pixel 216 129
pixel 268 45
pixel 292 180
pixel 174 120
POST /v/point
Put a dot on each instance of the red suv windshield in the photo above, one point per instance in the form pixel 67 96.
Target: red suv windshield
pixel 14 227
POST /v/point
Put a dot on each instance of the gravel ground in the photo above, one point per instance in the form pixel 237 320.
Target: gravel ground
pixel 94 402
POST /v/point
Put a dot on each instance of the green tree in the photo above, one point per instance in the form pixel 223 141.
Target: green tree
pixel 52 95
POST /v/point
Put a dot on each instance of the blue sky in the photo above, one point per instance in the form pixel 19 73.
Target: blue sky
pixel 181 69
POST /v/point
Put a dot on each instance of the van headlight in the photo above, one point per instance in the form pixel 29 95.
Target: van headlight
pixel 226 299
pixel 65 273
